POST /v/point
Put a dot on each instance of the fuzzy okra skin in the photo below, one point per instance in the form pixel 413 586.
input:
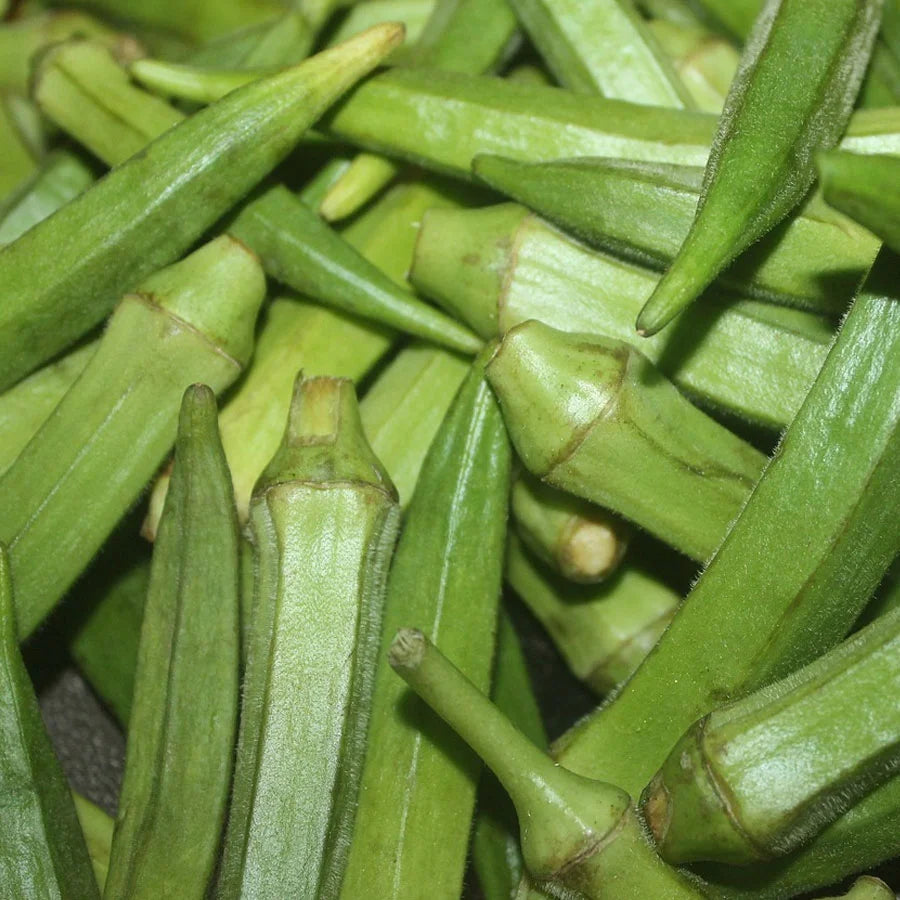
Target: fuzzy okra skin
pixel 867 188
pixel 578 835
pixel 184 714
pixel 148 210
pixel 42 848
pixel 324 519
pixel 816 260
pixel 497 267
pixel 603 632
pixel 760 777
pixel 418 783
pixel 191 322
pixel 592 416
pixel 791 97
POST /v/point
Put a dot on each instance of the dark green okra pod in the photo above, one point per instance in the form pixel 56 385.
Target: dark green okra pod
pixel 792 96
pixel 578 835
pixel 42 849
pixel 87 464
pixel 593 417
pixel 184 715
pixel 446 575
pixel 867 188
pixel 760 777
pixel 324 518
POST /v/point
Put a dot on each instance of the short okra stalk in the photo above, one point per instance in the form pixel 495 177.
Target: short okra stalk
pixel 867 888
pixel 592 416
pixel 324 519
pixel 192 322
pixel 183 720
pixel 577 834
pixel 760 777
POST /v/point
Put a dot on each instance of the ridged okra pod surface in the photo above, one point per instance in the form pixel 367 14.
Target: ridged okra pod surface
pixel 323 521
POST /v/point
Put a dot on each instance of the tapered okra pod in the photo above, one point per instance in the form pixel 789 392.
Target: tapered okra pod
pixel 792 96
pixel 816 260
pixel 42 849
pixel 593 417
pixel 182 726
pixel 578 835
pixel 150 209
pixel 418 789
pixel 866 188
pixel 191 322
pixel 324 519
pixel 760 777
pixel 97 828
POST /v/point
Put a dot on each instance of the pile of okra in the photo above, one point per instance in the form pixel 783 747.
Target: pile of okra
pixel 336 336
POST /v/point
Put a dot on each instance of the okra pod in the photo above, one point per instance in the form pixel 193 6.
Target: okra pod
pixel 191 322
pixel 151 208
pixel 735 16
pixel 758 778
pixel 507 266
pixel 791 97
pixel 868 888
pixel 20 158
pixel 603 632
pixel 182 725
pixel 324 518
pixel 815 260
pixel 809 548
pixel 418 789
pixel 42 849
pixel 414 14
pixel 867 188
pixel 578 835
pixel 97 828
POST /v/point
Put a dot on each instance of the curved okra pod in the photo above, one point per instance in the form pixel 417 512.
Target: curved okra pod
pixel 42 848
pixel 324 518
pixel 191 322
pixel 593 417
pixel 507 266
pixel 760 777
pixel 122 228
pixel 867 188
pixel 578 835
pixel 603 632
pixel 816 260
pixel 792 96
pixel 418 789
pixel 582 541
pixel 184 714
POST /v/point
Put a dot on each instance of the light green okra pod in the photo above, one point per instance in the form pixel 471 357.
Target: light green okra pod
pixel 498 267
pixel 42 848
pixel 151 208
pixel 183 720
pixel 324 519
pixel 418 787
pixel 20 158
pixel 760 777
pixel 815 260
pixel 89 461
pixel 97 828
pixel 791 97
pixel 867 888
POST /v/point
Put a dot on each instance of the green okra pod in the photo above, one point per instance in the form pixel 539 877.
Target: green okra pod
pixel 603 47
pixel 507 266
pixel 86 465
pixel 734 16
pixel 414 14
pixel 867 888
pixel 603 632
pixel 758 778
pixel 578 835
pixel 867 188
pixel 792 96
pixel 815 260
pixel 97 828
pixel 809 548
pixel 592 416
pixel 183 720
pixel 324 518
pixel 20 158
pixel 42 848
pixel 446 575
pixel 580 540
pixel 151 208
